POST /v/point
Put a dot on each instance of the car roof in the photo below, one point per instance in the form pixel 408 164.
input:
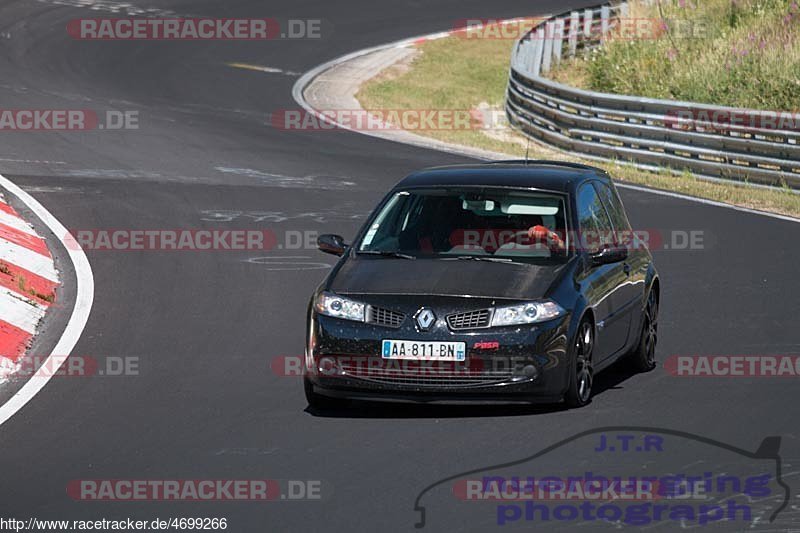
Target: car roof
pixel 554 176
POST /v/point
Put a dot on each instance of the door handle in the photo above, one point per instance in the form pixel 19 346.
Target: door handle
pixel 626 268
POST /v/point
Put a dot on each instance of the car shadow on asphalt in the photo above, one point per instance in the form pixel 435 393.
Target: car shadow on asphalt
pixel 610 379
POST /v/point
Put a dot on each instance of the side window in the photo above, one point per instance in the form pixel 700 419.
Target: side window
pixel 594 225
pixel 614 207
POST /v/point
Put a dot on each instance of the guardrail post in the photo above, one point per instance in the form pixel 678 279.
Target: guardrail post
pixel 588 14
pixel 530 51
pixel 587 30
pixel 605 18
pixel 574 17
pixel 518 55
pixel 624 10
pixel 525 59
pixel 538 47
pixel 558 40
pixel 547 56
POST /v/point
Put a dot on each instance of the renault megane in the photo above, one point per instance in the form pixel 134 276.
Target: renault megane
pixel 510 281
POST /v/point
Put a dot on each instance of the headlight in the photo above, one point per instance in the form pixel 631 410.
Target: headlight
pixel 336 306
pixel 526 313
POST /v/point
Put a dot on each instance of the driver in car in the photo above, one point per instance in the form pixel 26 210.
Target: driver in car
pixel 540 234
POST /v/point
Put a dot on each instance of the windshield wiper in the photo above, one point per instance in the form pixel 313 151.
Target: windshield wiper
pixel 479 258
pixel 386 253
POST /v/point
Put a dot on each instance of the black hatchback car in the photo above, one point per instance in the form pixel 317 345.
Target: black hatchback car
pixel 510 281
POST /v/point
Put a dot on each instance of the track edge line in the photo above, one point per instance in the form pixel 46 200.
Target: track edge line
pixel 84 298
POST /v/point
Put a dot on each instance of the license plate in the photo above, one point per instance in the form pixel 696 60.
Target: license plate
pixel 424 351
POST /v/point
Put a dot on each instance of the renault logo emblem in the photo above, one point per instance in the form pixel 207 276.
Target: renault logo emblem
pixel 425 318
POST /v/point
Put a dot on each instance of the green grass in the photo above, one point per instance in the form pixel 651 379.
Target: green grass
pixel 740 53
pixel 452 73
pixel 457 73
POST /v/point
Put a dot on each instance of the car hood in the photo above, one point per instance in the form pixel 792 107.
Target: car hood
pixel 446 278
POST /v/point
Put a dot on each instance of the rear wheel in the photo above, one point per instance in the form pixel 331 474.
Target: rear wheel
pixel 643 358
pixel 580 387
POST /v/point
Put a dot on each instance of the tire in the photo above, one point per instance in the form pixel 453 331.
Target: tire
pixel 643 357
pixel 579 392
pixel 319 401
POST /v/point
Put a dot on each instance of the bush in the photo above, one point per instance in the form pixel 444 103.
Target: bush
pixel 741 53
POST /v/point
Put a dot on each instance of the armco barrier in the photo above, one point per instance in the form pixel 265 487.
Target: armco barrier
pixel 645 131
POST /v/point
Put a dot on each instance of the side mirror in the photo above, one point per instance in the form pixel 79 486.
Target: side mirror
pixel 609 254
pixel 331 244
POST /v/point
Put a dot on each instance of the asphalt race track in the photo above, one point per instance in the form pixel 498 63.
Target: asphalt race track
pixel 206 325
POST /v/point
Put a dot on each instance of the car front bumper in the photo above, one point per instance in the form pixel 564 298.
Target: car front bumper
pixel 512 363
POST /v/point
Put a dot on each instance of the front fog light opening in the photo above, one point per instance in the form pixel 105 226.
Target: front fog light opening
pixel 530 371
pixel 525 370
pixel 327 366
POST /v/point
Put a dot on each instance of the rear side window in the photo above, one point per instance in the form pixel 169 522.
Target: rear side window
pixel 614 207
pixel 594 224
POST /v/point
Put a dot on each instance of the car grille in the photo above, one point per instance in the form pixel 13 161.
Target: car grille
pixel 435 377
pixel 469 320
pixel 384 317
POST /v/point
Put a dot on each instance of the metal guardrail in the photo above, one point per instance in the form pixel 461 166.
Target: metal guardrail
pixel 645 131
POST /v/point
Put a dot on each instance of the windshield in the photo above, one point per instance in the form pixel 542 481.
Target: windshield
pixel 470 223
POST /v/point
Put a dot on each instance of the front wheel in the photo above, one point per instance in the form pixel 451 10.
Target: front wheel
pixel 580 384
pixel 643 358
